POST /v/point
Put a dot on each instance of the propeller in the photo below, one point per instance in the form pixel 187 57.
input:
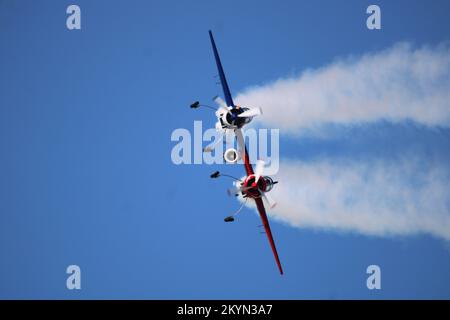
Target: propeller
pixel 236 190
pixel 233 191
pixel 216 141
pixel 268 200
pixel 222 105
pixel 259 169
pixel 250 113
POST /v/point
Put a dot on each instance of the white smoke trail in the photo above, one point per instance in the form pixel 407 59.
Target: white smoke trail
pixel 369 198
pixel 372 197
pixel 396 84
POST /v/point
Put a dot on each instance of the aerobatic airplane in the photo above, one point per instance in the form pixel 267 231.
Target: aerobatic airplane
pixel 254 185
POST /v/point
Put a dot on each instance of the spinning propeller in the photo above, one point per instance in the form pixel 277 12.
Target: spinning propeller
pixel 259 171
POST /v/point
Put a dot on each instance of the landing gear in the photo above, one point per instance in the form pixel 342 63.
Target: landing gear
pixel 234 191
pixel 229 219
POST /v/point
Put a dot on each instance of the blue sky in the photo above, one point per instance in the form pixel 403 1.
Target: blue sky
pixel 86 175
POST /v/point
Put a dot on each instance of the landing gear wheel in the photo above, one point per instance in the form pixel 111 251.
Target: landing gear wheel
pixel 229 219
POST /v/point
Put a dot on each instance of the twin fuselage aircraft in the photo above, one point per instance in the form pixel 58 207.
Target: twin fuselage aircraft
pixel 255 185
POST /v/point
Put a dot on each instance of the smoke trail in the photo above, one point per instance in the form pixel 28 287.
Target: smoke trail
pixel 372 197
pixel 396 84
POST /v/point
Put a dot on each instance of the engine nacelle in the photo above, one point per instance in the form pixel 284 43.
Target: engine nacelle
pixel 231 155
pixel 265 184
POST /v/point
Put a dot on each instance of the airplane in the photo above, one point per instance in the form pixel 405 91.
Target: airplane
pixel 255 185
pixel 229 115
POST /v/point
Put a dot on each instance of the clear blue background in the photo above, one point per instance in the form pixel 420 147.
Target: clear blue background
pixel 86 176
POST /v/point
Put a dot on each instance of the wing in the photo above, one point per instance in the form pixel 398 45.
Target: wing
pixel 243 151
pixel 265 221
pixel 223 80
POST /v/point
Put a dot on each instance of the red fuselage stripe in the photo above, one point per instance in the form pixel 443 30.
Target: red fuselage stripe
pixel 247 164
